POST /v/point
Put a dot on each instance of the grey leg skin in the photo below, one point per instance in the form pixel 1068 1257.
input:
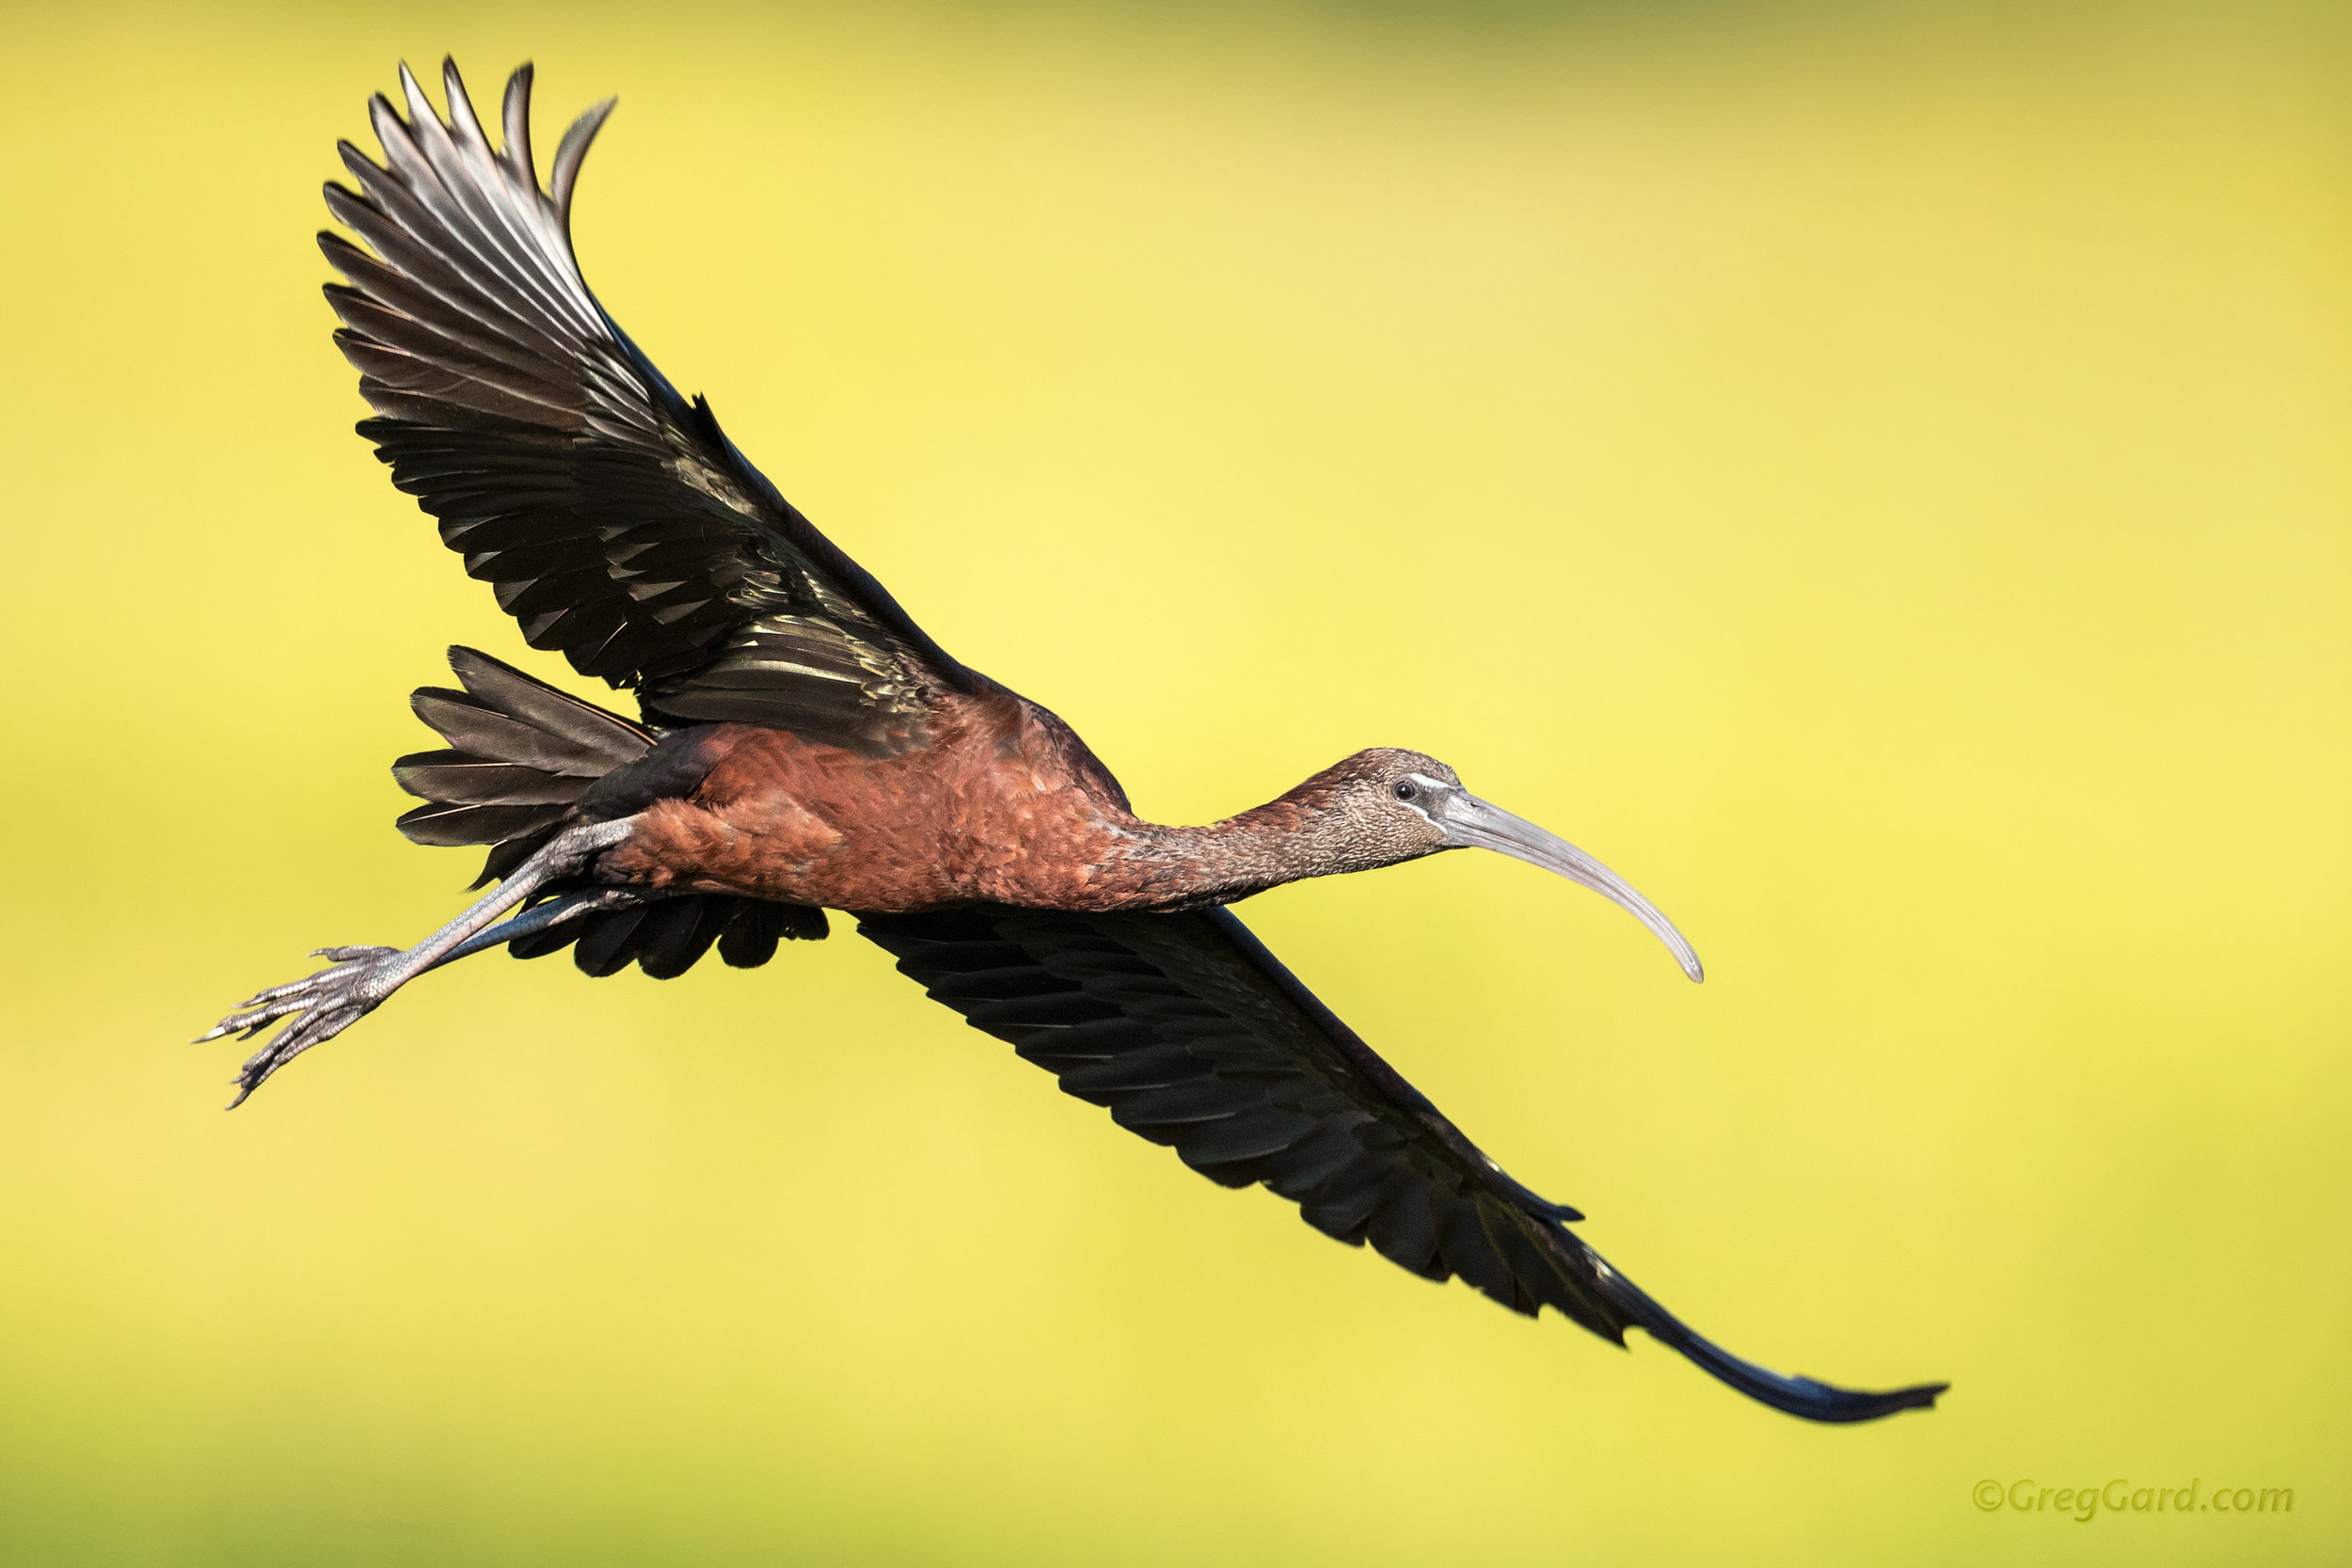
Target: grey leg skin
pixel 553 912
pixel 361 979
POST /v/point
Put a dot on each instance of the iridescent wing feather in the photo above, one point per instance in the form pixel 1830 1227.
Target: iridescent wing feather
pixel 611 516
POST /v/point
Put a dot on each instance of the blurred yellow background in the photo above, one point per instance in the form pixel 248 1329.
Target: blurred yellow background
pixel 1876 475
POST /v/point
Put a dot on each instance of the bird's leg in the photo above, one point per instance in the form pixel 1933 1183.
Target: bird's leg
pixel 359 979
pixel 571 906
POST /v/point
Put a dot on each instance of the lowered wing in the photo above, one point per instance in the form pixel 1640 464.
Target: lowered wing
pixel 1194 1035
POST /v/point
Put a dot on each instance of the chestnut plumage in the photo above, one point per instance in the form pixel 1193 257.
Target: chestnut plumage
pixel 802 745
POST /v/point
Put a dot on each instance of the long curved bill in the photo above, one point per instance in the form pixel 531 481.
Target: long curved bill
pixel 1470 822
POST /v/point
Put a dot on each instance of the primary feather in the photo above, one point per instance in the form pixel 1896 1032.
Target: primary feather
pixel 612 517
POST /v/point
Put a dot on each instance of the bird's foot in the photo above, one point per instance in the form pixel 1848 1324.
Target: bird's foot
pixel 331 1001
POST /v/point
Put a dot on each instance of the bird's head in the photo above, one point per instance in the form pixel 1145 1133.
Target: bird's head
pixel 1386 805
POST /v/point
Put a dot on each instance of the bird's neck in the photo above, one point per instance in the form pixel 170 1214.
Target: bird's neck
pixel 1163 868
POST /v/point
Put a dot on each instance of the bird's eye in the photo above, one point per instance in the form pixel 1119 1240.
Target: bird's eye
pixel 1405 792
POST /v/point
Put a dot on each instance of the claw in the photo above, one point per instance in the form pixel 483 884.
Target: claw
pixel 361 979
pixel 314 1027
pixel 245 1021
pixel 329 1002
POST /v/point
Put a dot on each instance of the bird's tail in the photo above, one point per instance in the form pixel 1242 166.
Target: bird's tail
pixel 520 756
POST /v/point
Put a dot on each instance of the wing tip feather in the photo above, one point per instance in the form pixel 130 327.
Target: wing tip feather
pixel 572 152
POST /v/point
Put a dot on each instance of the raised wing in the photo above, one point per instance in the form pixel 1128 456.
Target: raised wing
pixel 611 516
pixel 1196 1036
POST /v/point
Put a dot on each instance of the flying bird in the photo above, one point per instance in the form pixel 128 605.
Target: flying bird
pixel 801 745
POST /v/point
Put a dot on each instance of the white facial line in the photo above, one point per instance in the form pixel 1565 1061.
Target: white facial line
pixel 1429 787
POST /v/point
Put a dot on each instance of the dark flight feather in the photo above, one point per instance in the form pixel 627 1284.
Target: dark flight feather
pixel 611 516
pixel 1194 1035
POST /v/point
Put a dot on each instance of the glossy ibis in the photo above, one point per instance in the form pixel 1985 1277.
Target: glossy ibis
pixel 802 745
